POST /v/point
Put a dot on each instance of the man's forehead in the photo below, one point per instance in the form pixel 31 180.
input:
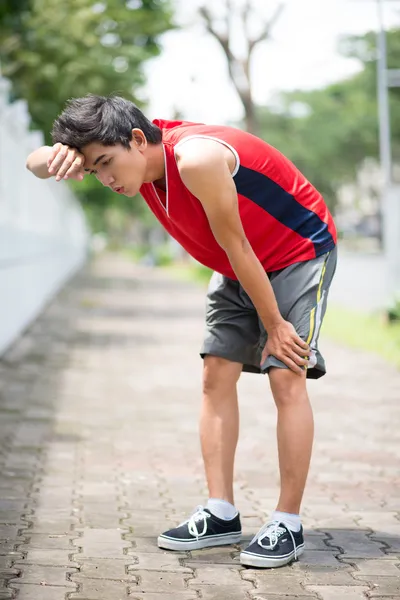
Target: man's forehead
pixel 92 150
pixel 92 153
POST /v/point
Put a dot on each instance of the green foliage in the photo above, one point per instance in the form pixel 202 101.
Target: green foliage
pixel 53 50
pixel 363 331
pixel 65 49
pixel 191 272
pixel 328 133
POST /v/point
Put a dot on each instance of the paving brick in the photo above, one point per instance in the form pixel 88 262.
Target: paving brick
pixel 102 568
pixel 329 576
pixel 43 575
pixel 162 561
pixel 8 560
pixel 224 592
pixel 383 586
pixel 8 532
pixel 372 567
pixel 49 557
pixel 7 573
pixel 278 596
pixel 316 542
pixel 160 581
pixel 222 555
pixel 100 543
pixel 216 575
pixel 334 592
pixel 323 558
pixel 277 580
pixel 185 595
pixel 100 589
pixel 52 527
pixel 40 592
pixel 8 547
pixel 390 541
pixel 356 544
pixel 11 517
pixel 141 544
pixel 42 541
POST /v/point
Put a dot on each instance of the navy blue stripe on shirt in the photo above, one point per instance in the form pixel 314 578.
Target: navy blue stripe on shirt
pixel 284 208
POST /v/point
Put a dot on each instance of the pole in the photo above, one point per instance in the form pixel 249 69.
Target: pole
pixel 383 102
pixel 390 195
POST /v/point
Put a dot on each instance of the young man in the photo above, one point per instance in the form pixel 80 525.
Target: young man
pixel 240 207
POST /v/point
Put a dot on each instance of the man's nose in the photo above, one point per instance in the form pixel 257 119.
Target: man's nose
pixel 105 179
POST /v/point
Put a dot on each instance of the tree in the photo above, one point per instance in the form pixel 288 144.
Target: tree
pixel 329 132
pixel 64 49
pixel 53 50
pixel 220 27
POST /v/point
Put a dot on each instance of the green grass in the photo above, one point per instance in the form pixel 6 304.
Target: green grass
pixel 364 331
pixel 357 330
pixel 192 272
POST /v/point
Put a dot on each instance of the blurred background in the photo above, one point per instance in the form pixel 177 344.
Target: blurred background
pixel 318 80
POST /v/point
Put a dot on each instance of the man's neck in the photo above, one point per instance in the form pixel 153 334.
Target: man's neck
pixel 155 165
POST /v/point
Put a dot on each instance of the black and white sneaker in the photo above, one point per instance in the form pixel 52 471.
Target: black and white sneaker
pixel 201 530
pixel 275 545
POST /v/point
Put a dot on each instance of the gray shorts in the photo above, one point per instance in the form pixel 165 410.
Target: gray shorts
pixel 234 331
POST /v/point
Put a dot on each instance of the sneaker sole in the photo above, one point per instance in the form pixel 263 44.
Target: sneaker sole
pixel 170 544
pixel 252 560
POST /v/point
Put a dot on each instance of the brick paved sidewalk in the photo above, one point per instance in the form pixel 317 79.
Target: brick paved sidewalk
pixel 99 453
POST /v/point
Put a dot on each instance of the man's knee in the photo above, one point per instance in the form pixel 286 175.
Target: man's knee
pixel 287 387
pixel 219 374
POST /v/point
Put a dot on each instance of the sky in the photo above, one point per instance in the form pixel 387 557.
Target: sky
pixel 191 73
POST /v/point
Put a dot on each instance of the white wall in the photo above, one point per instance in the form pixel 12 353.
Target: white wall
pixel 43 234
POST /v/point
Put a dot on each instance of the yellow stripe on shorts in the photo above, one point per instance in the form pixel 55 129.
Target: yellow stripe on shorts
pixel 319 295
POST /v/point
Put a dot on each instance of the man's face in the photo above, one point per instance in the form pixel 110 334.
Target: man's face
pixel 119 168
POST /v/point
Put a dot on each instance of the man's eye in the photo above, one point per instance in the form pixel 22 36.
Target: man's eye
pixel 107 162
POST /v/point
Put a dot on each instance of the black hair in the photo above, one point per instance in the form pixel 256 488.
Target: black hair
pixel 107 120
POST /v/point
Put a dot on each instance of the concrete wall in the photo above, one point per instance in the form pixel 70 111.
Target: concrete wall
pixel 43 234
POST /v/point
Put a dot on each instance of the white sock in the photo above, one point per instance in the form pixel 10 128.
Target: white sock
pixel 292 521
pixel 221 509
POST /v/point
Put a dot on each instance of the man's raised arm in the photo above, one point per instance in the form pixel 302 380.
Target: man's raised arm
pixel 61 161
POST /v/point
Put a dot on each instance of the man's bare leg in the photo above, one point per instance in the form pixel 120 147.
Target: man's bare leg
pixel 219 429
pixel 295 433
pixel 277 545
pixel 219 424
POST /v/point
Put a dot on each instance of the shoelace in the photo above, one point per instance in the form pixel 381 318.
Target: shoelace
pixel 273 531
pixel 199 515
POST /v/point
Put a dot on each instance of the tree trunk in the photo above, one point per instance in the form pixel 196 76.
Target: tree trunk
pixel 239 68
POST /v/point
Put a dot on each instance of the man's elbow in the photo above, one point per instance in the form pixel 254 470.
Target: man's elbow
pixel 234 244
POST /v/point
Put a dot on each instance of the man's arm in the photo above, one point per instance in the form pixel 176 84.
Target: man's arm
pixel 61 161
pixel 205 169
pixel 37 162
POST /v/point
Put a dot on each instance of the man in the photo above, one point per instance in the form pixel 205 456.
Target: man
pixel 240 207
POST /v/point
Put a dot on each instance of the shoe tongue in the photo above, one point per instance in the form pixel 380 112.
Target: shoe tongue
pixel 277 530
pixel 197 516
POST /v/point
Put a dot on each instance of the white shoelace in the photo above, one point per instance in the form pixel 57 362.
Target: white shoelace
pixel 199 515
pixel 273 531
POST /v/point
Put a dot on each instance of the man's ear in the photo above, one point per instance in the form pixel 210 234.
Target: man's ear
pixel 139 139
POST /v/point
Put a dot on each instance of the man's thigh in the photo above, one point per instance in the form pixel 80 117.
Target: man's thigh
pixel 232 328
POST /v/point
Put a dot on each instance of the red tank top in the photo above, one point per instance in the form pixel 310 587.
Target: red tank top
pixel 284 217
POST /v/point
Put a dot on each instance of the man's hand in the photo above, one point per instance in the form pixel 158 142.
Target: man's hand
pixel 66 163
pixel 284 343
